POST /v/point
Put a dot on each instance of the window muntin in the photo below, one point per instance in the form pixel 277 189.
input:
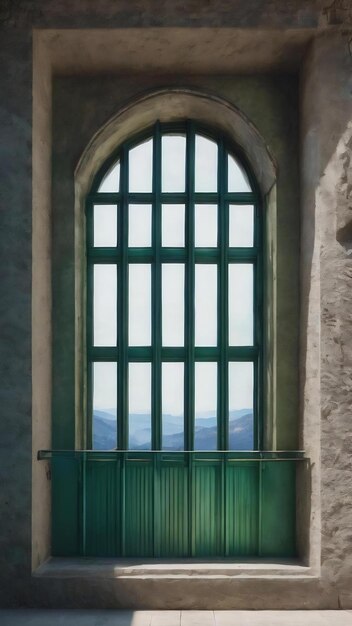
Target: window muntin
pixel 199 227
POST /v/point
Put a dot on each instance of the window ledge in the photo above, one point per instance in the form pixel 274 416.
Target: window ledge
pixel 59 567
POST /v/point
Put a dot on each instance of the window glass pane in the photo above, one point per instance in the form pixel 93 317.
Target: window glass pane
pixel 241 304
pixel 105 225
pixel 172 406
pixel 241 225
pixel 205 427
pixel 111 180
pixel 205 305
pixel 139 304
pixel 206 227
pixel 237 178
pixel 139 406
pixel 140 167
pixel 241 423
pixel 173 225
pixel 173 149
pixel 173 284
pixel 104 406
pixel 206 164
pixel 140 225
pixel 104 306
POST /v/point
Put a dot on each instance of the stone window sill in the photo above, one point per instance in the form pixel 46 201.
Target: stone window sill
pixel 59 567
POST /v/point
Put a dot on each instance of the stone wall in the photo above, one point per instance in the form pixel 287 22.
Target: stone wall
pixel 326 292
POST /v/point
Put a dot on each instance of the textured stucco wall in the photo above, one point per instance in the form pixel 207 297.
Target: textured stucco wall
pixel 326 292
pixel 107 14
pixel 326 347
pixel 15 307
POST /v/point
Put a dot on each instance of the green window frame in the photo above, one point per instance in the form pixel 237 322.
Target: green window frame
pixel 221 256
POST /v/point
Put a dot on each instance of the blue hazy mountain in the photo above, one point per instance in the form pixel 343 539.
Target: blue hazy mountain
pixel 240 431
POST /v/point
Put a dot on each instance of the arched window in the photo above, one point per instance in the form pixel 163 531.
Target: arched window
pixel 174 295
pixel 173 463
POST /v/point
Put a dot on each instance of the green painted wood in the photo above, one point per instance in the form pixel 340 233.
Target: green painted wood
pixel 172 495
pixel 103 505
pixel 206 509
pixel 66 496
pixel 172 505
pixel 278 506
pixel 139 510
pixel 242 509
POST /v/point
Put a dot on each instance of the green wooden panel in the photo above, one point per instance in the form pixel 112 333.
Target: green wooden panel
pixel 241 509
pixel 164 507
pixel 66 494
pixel 102 509
pixel 206 510
pixel 278 505
pixel 171 528
pixel 139 509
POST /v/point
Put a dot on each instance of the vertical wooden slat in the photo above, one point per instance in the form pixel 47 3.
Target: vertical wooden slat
pixel 102 509
pixel 173 497
pixel 242 506
pixel 66 531
pixel 278 519
pixel 139 511
pixel 206 507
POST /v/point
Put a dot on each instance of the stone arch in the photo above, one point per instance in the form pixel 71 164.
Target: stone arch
pixel 168 105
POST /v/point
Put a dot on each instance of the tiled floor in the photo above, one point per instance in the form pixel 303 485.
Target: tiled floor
pixel 33 617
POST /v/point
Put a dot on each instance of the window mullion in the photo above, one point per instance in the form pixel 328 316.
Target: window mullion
pixel 223 225
pixel 156 293
pixel 258 332
pixel 122 303
pixel 189 292
pixel 88 436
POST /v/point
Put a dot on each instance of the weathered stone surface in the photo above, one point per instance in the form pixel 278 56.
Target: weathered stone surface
pixel 326 196
pixel 15 306
pixel 80 14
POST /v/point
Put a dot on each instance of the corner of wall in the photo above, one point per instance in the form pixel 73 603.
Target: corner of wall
pixel 41 301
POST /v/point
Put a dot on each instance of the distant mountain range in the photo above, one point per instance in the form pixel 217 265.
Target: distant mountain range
pixel 240 431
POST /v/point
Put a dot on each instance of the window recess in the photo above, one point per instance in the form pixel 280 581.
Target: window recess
pixel 174 465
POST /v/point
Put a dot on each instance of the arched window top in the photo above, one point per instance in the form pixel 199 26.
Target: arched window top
pixel 171 151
